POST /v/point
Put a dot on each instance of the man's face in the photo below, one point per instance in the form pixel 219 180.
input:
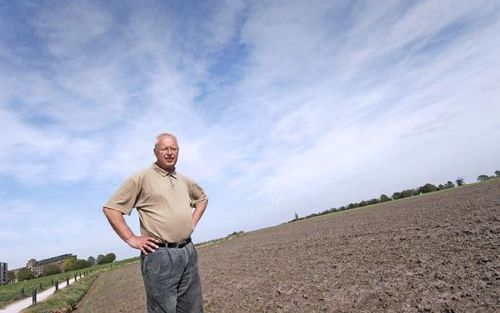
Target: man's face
pixel 166 153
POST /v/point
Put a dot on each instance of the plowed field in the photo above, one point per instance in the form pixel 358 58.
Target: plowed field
pixel 438 252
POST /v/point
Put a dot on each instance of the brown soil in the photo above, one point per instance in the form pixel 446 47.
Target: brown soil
pixel 434 253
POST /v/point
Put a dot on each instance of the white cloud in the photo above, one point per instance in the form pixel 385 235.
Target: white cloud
pixel 329 103
pixel 68 28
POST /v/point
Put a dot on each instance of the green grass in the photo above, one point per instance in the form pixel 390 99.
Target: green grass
pixel 66 299
pixel 12 292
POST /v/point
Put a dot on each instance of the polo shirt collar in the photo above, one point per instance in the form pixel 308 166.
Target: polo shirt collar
pixel 164 173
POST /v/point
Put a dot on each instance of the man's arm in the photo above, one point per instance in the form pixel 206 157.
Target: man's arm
pixel 199 209
pixel 143 243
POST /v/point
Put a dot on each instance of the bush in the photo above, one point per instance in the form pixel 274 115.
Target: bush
pixel 408 193
pixel 396 195
pixel 79 264
pixel 24 274
pixel 483 177
pixel 69 264
pixel 428 188
pixel 51 269
pixel 384 198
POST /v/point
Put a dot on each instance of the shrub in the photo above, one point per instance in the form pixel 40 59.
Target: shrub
pixel 69 264
pixel 51 269
pixel 407 193
pixel 79 264
pixel 384 198
pixel 483 177
pixel 24 274
pixel 428 188
pixel 396 195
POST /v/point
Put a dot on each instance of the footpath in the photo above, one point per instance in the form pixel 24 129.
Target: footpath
pixel 18 306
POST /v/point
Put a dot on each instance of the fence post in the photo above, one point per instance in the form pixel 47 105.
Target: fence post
pixel 67 280
pixel 33 296
pixel 57 284
pixel 22 292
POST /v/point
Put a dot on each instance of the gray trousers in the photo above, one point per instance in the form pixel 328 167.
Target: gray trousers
pixel 172 281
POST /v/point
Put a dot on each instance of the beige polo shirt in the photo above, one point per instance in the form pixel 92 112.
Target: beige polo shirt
pixel 163 200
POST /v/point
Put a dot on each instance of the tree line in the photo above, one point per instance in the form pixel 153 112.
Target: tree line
pixel 399 195
pixel 69 264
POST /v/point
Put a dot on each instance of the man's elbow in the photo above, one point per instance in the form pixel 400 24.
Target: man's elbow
pixel 107 211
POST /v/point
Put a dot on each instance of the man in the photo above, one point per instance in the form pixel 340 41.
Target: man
pixel 164 200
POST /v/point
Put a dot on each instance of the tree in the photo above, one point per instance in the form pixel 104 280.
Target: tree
pixel 497 173
pixel 111 257
pixel 69 263
pixel 51 269
pixel 428 188
pixel 396 195
pixel 91 260
pixel 459 181
pixel 483 177
pixel 79 264
pixel 373 201
pixel 407 193
pixel 24 274
pixel 99 258
pixel 384 198
pixel 11 276
pixel 450 184
pixel 108 258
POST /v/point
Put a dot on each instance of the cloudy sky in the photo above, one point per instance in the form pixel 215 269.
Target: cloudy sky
pixel 279 107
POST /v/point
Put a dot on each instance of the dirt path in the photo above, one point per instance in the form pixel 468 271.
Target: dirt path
pixel 434 253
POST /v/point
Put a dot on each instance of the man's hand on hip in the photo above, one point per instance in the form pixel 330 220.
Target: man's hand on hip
pixel 143 243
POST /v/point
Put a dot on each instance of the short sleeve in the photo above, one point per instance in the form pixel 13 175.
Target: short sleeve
pixel 196 193
pixel 125 198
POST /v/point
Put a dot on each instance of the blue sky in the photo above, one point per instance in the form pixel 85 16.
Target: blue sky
pixel 279 107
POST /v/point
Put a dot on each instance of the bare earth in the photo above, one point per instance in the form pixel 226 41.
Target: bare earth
pixel 434 253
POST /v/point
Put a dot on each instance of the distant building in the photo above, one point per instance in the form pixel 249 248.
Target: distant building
pixel 4 278
pixel 37 266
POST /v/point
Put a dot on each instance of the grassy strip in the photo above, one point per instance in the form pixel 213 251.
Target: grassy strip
pixel 64 300
pixel 12 292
